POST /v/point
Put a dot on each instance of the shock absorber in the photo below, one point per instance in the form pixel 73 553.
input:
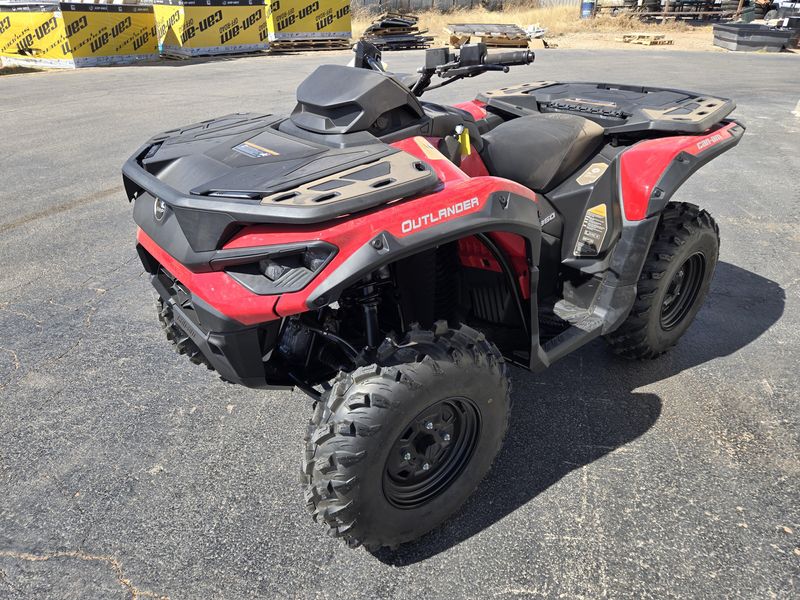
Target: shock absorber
pixel 370 305
pixel 371 297
pixel 368 294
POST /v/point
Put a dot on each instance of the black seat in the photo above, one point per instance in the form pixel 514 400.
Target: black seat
pixel 540 151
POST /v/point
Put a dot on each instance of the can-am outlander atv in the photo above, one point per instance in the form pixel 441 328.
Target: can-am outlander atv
pixel 391 257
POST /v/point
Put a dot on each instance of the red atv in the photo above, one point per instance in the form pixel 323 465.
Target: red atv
pixel 391 257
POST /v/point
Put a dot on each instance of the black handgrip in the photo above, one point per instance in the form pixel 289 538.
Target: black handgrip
pixel 519 57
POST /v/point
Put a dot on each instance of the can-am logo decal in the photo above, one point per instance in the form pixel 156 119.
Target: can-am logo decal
pixel 159 210
pixel 710 141
pixel 443 214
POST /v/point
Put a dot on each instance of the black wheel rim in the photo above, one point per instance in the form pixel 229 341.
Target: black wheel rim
pixel 431 452
pixel 682 291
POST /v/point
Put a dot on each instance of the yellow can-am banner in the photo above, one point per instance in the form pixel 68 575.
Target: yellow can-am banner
pixel 69 35
pixel 309 19
pixel 100 34
pixel 203 27
pixel 33 34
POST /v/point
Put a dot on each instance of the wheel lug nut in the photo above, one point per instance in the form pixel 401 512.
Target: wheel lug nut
pixel 446 437
pixel 407 456
pixel 428 425
pixel 425 467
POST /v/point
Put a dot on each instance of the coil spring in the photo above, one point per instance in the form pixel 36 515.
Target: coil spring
pixel 366 292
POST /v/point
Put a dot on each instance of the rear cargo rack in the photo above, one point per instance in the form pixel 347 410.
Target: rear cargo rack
pixel 618 108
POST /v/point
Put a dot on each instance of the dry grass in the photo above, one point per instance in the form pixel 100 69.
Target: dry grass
pixel 558 21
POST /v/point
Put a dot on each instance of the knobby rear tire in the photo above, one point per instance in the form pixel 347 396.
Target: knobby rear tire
pixel 683 231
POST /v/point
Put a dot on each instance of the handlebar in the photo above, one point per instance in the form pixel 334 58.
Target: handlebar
pixel 510 59
pixel 472 60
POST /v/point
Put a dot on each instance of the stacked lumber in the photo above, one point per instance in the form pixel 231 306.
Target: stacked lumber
pixel 395 31
pixel 493 35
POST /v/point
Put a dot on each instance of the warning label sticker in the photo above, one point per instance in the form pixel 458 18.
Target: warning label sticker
pixel 593 232
pixel 254 150
pixel 592 173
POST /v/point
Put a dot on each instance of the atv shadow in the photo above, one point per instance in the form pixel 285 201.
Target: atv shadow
pixel 586 406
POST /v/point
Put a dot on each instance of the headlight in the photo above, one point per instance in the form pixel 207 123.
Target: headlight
pixel 277 270
pixel 315 258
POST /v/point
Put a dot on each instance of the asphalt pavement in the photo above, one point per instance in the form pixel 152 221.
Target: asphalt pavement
pixel 127 472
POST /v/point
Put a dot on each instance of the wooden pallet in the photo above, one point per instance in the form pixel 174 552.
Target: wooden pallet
pixel 400 42
pixel 456 41
pixel 496 42
pixel 400 15
pixel 304 45
pixel 218 55
pixel 508 31
pixel 653 42
pixel 645 39
pixel 494 36
pixel 392 30
pixel 396 31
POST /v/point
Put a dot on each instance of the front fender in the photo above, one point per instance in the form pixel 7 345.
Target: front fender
pixel 494 211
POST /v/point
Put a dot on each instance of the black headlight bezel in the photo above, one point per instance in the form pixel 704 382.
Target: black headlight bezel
pixel 247 266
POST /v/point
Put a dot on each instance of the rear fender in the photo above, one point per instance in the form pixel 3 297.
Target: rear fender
pixel 652 170
pixel 649 174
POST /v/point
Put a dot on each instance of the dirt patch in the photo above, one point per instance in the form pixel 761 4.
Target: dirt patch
pixel 15 70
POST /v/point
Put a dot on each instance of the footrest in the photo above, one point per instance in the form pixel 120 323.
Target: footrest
pixel 574 337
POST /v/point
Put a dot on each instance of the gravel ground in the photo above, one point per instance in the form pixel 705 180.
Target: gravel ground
pixel 127 472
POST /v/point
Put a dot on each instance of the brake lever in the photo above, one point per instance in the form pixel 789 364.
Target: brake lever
pixel 375 64
pixel 471 71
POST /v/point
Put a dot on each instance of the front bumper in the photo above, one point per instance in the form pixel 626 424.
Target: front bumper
pixel 236 352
